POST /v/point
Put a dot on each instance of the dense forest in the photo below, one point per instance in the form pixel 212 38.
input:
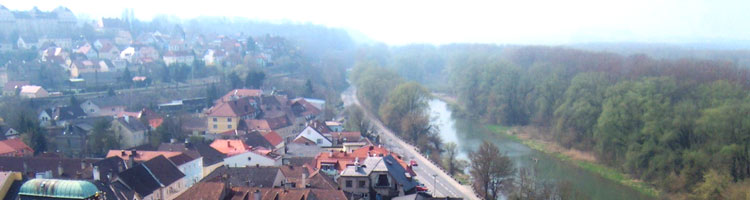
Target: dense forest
pixel 680 124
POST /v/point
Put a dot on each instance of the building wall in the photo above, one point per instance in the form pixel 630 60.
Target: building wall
pixel 221 124
pixel 356 189
pixel 193 171
pixel 5 186
pixel 127 138
pixel 388 191
pixel 208 169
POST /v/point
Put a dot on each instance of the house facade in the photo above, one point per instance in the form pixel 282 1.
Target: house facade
pixel 129 131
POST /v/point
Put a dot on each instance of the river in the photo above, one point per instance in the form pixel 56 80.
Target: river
pixel 468 135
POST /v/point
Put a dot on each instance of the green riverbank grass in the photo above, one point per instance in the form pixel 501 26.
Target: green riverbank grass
pixel 604 171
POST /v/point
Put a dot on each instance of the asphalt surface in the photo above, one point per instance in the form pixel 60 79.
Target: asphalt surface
pixel 437 181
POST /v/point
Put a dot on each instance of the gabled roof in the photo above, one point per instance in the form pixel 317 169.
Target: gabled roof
pixel 30 89
pixel 398 172
pixel 234 108
pixel 131 123
pixel 141 156
pixel 72 167
pixel 255 139
pixel 13 145
pixel 346 136
pixel 68 112
pixel 210 155
pixel 12 85
pixel 273 138
pixel 151 175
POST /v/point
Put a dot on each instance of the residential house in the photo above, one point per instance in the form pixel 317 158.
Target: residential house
pixel 212 158
pixel 337 161
pixel 225 116
pixel 304 109
pixel 190 164
pixel 255 176
pixel 280 124
pixel 179 57
pixel 11 88
pixel 6 132
pixel 154 179
pixel 129 131
pixel 103 106
pixel 340 138
pixel 109 51
pixel 33 91
pixel 15 148
pixel 311 136
pixel 59 41
pixel 87 50
pixel 53 55
pixel 60 115
pixel 127 54
pixel 286 194
pixel 70 140
pixel 230 147
pixel 253 158
pixel 147 54
pixel 383 177
pixel 40 188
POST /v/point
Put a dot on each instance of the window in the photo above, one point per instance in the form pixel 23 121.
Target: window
pixel 383 180
pixel 348 183
pixel 362 184
pixel 229 126
pixel 214 119
pixel 229 119
pixel 319 141
pixel 216 126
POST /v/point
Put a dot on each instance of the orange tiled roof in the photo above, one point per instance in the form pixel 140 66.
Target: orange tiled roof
pixel 230 147
pixel 342 159
pixel 13 145
pixel 239 93
pixel 273 138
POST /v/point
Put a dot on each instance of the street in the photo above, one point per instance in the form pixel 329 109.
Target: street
pixel 437 181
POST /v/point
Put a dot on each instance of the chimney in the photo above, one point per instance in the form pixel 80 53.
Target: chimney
pixel 330 154
pixel 96 173
pixel 229 144
pixel 256 194
pixel 83 165
pixel 59 169
pixel 304 180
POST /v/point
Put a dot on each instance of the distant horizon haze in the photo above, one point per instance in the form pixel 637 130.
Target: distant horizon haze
pixel 534 22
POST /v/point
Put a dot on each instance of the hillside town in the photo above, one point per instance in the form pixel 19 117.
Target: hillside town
pixel 106 112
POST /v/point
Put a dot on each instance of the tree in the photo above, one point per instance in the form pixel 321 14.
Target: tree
pixel 254 79
pixel 74 101
pixel 404 110
pixel 102 138
pixel 490 169
pixel 309 88
pixel 126 77
pixel 356 120
pixel 234 80
pixel 712 186
pixel 32 133
pixel 451 163
pixel 250 44
pixel 110 92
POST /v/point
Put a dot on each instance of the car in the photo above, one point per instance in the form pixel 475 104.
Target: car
pixel 422 188
pixel 413 163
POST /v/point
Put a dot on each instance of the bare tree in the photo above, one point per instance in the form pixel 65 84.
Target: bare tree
pixel 491 170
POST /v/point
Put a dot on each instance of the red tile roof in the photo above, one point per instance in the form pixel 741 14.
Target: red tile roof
pixel 341 158
pixel 230 147
pixel 234 108
pixel 273 138
pixel 15 147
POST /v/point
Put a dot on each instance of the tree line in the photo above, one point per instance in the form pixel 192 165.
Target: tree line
pixel 675 123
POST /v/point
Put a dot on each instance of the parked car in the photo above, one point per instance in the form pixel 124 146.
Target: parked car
pixel 413 163
pixel 421 188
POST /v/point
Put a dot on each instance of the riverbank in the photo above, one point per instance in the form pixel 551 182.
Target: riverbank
pixel 584 160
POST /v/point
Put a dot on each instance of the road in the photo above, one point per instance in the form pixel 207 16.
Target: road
pixel 436 180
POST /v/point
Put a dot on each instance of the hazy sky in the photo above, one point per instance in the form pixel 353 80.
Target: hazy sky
pixel 491 21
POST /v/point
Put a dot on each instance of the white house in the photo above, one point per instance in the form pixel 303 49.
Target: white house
pixel 310 136
pixel 251 158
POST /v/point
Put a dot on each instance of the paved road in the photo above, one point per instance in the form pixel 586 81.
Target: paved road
pixel 438 182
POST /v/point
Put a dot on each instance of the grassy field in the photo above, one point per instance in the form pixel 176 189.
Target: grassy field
pixel 604 171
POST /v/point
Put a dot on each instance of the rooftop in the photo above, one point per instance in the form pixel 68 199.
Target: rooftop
pixel 56 188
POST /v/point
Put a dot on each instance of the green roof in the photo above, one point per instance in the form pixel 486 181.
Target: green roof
pixel 69 189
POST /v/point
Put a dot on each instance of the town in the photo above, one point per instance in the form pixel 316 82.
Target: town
pixel 106 110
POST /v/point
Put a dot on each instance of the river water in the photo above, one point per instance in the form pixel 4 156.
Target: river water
pixel 468 135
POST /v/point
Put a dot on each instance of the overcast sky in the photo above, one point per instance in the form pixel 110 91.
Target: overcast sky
pixel 490 21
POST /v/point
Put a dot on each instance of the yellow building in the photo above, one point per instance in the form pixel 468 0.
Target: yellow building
pixel 6 180
pixel 225 116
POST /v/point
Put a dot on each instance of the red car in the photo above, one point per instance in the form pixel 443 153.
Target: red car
pixel 413 163
pixel 421 188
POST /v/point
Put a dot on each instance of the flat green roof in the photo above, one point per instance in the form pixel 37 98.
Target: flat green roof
pixel 57 188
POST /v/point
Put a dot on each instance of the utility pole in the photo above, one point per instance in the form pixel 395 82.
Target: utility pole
pixel 434 184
